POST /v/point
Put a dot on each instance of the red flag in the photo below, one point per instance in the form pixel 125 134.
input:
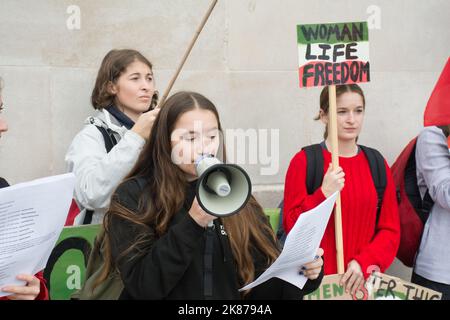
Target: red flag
pixel 437 112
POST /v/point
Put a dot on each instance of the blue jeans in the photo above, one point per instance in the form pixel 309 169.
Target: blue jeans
pixel 436 286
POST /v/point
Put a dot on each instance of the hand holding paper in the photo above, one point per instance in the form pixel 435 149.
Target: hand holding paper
pixel 300 247
pixel 32 216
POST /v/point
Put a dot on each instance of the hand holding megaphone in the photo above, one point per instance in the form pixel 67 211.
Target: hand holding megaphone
pixel 199 215
pixel 222 189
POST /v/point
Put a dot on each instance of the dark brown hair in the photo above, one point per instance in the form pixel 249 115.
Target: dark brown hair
pixel 324 99
pixel 113 65
pixel 165 194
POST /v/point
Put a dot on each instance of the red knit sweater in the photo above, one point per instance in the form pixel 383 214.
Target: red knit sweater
pixel 364 242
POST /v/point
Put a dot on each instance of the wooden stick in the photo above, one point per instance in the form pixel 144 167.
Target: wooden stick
pixel 186 54
pixel 332 131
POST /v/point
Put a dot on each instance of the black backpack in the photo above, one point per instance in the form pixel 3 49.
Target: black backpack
pixel 314 177
pixel 110 142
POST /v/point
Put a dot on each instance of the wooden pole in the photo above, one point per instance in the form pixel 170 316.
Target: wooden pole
pixel 332 131
pixel 186 54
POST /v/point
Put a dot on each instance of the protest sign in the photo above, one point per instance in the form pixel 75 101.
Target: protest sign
pixel 333 54
pixel 378 286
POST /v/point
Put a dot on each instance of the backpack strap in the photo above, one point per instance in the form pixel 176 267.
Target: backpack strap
pixel 88 217
pixel 378 171
pixel 110 142
pixel 314 167
pixel 314 177
pixel 427 205
pixel 108 137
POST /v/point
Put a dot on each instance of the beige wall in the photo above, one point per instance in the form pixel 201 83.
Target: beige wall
pixel 245 61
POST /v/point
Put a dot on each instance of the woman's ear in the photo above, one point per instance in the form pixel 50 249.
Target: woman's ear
pixel 323 117
pixel 112 88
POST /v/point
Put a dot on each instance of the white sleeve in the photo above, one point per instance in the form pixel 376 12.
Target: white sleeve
pixel 433 161
pixel 97 172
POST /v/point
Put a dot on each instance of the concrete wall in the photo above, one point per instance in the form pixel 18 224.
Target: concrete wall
pixel 245 60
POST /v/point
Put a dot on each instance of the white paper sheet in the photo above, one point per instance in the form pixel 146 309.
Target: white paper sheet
pixel 300 247
pixel 32 216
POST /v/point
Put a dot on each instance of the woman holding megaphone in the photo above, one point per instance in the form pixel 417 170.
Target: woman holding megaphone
pixel 160 239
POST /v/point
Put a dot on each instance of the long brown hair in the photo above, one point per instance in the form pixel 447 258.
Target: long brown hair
pixel 341 89
pixel 164 196
pixel 113 65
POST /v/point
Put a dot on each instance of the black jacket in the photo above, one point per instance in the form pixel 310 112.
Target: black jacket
pixel 188 262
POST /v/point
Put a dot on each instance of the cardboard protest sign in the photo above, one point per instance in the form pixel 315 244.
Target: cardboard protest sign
pixel 333 53
pixel 65 270
pixel 378 287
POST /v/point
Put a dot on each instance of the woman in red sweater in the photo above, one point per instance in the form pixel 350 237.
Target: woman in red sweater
pixel 368 245
pixel 35 287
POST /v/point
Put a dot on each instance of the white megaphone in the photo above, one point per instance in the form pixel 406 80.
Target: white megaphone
pixel 222 189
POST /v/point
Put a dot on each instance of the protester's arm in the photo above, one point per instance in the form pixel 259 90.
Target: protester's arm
pixel 97 172
pixel 275 289
pixel 433 161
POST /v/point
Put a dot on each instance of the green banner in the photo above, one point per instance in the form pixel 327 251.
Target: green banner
pixel 66 266
pixel 274 217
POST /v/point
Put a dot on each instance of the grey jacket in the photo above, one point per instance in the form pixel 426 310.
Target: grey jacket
pixel 97 172
pixel 433 173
